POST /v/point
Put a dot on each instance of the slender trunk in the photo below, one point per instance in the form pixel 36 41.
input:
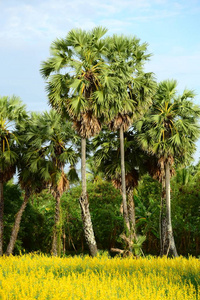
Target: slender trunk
pixel 131 213
pixel 131 216
pixel 1 213
pixel 171 246
pixel 55 242
pixel 16 225
pixel 163 221
pixel 84 204
pixel 125 210
pixel 83 165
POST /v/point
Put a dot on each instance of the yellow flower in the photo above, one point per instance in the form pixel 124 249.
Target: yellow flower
pixel 41 277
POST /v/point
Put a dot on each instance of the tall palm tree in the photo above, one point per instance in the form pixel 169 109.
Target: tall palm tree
pixel 169 133
pixel 52 140
pixel 31 183
pixel 35 172
pixel 79 95
pixel 12 111
pixel 132 95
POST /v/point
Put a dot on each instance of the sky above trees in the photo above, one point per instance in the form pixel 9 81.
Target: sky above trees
pixel 171 28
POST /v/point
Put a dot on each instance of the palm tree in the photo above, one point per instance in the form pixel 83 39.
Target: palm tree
pixel 79 95
pixel 12 111
pixel 28 181
pixel 52 140
pixel 31 183
pixel 169 133
pixel 132 95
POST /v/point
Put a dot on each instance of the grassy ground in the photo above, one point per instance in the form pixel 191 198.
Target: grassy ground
pixel 41 277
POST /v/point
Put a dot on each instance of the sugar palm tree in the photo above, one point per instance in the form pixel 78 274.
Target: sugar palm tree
pixel 52 140
pixel 12 111
pixel 79 94
pixel 169 133
pixel 131 96
pixel 27 180
pixel 31 183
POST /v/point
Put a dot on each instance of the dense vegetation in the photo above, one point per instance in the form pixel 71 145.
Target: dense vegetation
pixel 37 222
pixel 139 192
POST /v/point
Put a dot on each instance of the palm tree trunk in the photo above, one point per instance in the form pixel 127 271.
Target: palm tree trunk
pixel 54 249
pixel 171 246
pixel 1 213
pixel 16 225
pixel 131 212
pixel 131 216
pixel 84 204
pixel 163 221
pixel 124 201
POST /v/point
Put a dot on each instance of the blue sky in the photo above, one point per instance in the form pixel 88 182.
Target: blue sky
pixel 27 28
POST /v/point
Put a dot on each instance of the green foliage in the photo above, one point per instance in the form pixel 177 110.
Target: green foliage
pixel 12 202
pixel 36 224
pixel 137 246
pixel 37 221
pixel 186 208
pixel 80 56
pixel 170 127
pixel 12 111
pixel 147 207
pixel 107 221
pixel 185 214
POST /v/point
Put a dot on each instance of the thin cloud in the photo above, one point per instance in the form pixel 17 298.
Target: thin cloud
pixel 46 19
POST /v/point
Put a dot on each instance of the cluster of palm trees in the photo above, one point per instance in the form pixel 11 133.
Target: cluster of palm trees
pixel 37 146
pixel 97 85
pixel 94 80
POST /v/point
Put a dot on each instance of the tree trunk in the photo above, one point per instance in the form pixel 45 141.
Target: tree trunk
pixel 131 213
pixel 171 243
pixel 55 250
pixel 125 210
pixel 1 213
pixel 16 225
pixel 84 204
pixel 163 221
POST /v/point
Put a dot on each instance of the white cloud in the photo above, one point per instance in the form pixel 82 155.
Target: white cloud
pixel 46 19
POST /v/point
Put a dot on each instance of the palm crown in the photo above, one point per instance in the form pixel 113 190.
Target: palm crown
pixel 12 111
pixel 79 90
pixel 51 145
pixel 133 88
pixel 171 127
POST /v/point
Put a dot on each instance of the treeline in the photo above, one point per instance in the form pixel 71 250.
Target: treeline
pixel 36 228
pixel 134 134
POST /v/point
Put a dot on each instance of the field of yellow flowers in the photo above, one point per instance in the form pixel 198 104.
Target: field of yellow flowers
pixel 47 278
